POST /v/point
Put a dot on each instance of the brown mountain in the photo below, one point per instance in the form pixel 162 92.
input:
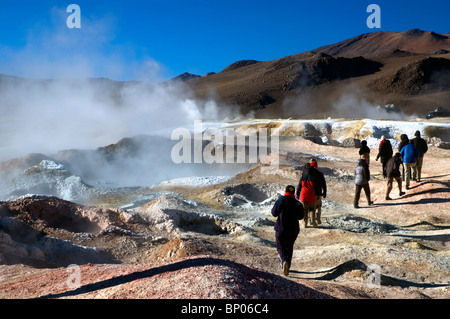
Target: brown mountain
pixel 410 69
pixel 413 41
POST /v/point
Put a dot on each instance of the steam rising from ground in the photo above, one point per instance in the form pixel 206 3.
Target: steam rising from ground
pixel 352 105
pixel 53 115
pixel 74 110
pixel 60 103
pixel 109 134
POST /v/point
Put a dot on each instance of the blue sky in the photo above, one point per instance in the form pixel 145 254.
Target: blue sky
pixel 158 39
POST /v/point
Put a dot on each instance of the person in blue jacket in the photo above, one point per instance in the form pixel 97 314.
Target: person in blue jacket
pixel 288 211
pixel 409 154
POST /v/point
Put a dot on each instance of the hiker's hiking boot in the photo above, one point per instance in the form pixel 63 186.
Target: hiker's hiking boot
pixel 285 268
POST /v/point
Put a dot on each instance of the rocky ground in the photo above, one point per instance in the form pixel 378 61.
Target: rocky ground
pixel 216 240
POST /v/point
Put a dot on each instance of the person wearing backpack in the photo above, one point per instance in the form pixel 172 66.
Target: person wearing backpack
pixel 306 193
pixel 393 172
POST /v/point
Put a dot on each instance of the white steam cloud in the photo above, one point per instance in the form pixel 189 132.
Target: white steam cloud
pixel 48 116
pixel 354 105
pixel 71 110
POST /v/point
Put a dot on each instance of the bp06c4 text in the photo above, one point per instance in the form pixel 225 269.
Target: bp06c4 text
pixel 247 308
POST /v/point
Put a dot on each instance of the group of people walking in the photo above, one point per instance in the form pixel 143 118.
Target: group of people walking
pixel 305 203
pixel 409 157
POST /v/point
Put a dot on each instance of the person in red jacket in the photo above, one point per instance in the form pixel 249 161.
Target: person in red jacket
pixel 306 193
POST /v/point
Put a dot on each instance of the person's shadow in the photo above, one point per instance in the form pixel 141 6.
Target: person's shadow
pixel 355 264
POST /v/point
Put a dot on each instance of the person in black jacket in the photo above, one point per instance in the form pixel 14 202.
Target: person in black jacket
pixel 385 152
pixel 364 151
pixel 320 189
pixel 393 172
pixel 288 211
pixel 422 145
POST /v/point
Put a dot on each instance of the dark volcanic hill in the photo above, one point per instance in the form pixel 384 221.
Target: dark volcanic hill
pixel 410 69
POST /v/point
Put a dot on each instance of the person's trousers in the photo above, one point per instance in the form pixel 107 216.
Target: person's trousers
pixel 419 164
pixel 285 246
pixel 410 166
pixel 309 207
pixel 318 209
pixel 389 185
pixel 383 165
pixel 358 193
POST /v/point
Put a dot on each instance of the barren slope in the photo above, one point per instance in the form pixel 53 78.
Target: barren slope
pixel 377 68
pixel 217 241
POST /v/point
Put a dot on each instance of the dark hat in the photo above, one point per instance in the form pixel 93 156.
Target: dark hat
pixel 417 133
pixel 290 189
